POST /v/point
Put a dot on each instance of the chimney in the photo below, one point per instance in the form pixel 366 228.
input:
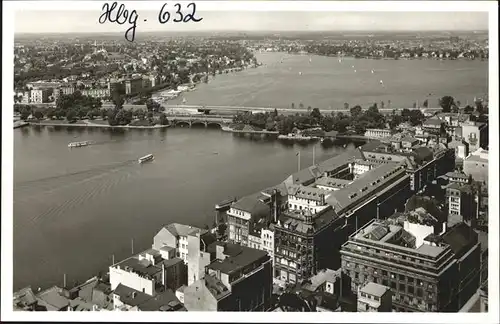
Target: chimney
pixel 163 275
pixel 275 205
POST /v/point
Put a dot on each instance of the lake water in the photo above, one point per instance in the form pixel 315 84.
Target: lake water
pixel 75 208
pixel 325 83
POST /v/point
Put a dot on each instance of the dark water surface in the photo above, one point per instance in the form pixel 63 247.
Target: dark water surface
pixel 75 208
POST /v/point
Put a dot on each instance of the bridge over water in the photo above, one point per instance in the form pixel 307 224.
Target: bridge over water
pixel 220 121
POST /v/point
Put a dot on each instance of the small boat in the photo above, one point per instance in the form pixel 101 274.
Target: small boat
pixel 373 72
pixel 300 73
pixel 354 71
pixel 216 153
pixel 79 144
pixel 146 158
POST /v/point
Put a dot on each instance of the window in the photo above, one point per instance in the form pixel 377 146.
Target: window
pixel 411 290
pixel 420 292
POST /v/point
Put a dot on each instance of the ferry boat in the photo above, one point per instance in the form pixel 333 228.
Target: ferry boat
pixel 79 144
pixel 146 158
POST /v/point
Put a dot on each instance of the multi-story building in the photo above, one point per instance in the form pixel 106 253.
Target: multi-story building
pixel 175 236
pixel 423 163
pixel 303 235
pixel 243 214
pixel 476 165
pixel 26 97
pixel 148 273
pixel 378 133
pixel 198 256
pixel 463 204
pixel 96 93
pixel 439 275
pixel 239 278
pixel 460 147
pixel 476 135
pixel 267 241
pixel 67 90
pixel 129 299
pixel 458 177
pixel 133 86
pixel 432 127
pixel 39 95
pixel 374 297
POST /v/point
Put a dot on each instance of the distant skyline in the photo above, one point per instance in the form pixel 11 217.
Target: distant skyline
pixel 45 22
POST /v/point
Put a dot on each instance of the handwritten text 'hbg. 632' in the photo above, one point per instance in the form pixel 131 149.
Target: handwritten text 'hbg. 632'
pixel 121 15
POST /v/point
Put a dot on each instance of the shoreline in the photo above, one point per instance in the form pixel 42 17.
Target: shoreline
pixel 90 124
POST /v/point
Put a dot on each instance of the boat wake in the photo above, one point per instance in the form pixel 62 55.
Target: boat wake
pixel 77 175
pixel 74 195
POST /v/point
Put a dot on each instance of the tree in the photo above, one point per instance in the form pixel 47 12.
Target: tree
pixel 356 111
pixel 316 114
pixel 163 119
pixel 71 115
pixel 468 109
pixel 446 103
pixel 346 106
pixel 382 104
pixel 426 103
pixel 301 105
pixel 293 105
pixel 50 113
pixel 479 106
pixel 81 113
pixel 140 113
pixel 221 230
pixel 152 105
pixel 25 112
pixel 38 114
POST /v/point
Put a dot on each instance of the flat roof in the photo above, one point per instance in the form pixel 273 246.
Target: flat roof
pixel 237 257
pixel 374 289
pixel 142 267
pixel 374 228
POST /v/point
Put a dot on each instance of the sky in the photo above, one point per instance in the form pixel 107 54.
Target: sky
pixel 87 21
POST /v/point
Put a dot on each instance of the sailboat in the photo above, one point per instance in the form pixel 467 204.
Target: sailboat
pixel 353 66
pixel 310 60
pixel 300 73
pixel 372 72
pixel 354 71
pixel 184 101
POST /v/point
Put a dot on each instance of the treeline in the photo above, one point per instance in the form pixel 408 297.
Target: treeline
pixel 358 120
